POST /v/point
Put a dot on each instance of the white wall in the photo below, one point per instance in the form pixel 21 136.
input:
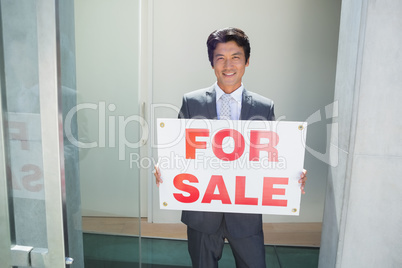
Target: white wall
pixel 293 59
pixel 107 51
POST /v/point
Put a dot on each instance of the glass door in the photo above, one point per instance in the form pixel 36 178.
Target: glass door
pixel 109 125
pixel 38 168
pixel 70 133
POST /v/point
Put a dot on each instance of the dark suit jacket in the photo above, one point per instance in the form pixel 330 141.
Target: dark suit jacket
pixel 202 104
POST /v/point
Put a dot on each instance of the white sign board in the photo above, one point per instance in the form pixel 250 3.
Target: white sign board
pixel 231 166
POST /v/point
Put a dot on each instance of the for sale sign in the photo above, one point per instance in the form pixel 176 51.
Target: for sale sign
pixel 231 166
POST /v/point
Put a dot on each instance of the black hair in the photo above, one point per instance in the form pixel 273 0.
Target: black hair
pixel 226 35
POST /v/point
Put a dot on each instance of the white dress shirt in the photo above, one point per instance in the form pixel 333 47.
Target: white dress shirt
pixel 235 102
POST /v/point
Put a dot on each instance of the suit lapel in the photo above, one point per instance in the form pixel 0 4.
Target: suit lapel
pixel 211 103
pixel 247 102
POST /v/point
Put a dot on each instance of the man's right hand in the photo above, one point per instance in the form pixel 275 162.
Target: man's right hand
pixel 157 175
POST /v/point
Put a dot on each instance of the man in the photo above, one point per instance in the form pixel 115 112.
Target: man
pixel 229 54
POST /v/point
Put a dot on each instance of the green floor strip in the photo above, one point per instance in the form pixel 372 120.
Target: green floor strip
pixel 112 251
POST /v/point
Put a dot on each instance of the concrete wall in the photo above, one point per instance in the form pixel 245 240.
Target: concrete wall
pixel 361 226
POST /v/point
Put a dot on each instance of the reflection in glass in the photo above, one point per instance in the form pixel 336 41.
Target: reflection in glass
pixel 24 126
pixel 107 56
pixel 72 217
pixel 19 22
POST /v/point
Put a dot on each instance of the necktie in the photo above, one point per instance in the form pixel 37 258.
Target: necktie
pixel 225 108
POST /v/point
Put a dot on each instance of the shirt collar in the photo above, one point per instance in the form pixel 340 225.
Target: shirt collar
pixel 237 94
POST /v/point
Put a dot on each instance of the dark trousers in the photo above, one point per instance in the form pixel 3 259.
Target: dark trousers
pixel 206 249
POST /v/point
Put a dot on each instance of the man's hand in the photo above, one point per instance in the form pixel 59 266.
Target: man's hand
pixel 303 179
pixel 157 175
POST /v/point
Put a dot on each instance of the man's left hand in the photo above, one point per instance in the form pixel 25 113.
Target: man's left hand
pixel 303 179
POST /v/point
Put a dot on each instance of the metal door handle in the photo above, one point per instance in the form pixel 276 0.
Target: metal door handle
pixel 69 260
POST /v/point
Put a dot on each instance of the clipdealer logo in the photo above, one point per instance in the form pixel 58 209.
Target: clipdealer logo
pixel 112 131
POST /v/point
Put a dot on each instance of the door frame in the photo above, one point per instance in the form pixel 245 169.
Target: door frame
pixel 52 148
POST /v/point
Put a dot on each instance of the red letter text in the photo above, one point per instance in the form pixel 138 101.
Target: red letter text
pixel 193 191
pixel 216 182
pixel 192 144
pixel 256 146
pixel 238 148
pixel 269 191
pixel 241 199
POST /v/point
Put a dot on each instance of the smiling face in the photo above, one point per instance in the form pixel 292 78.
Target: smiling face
pixel 229 65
